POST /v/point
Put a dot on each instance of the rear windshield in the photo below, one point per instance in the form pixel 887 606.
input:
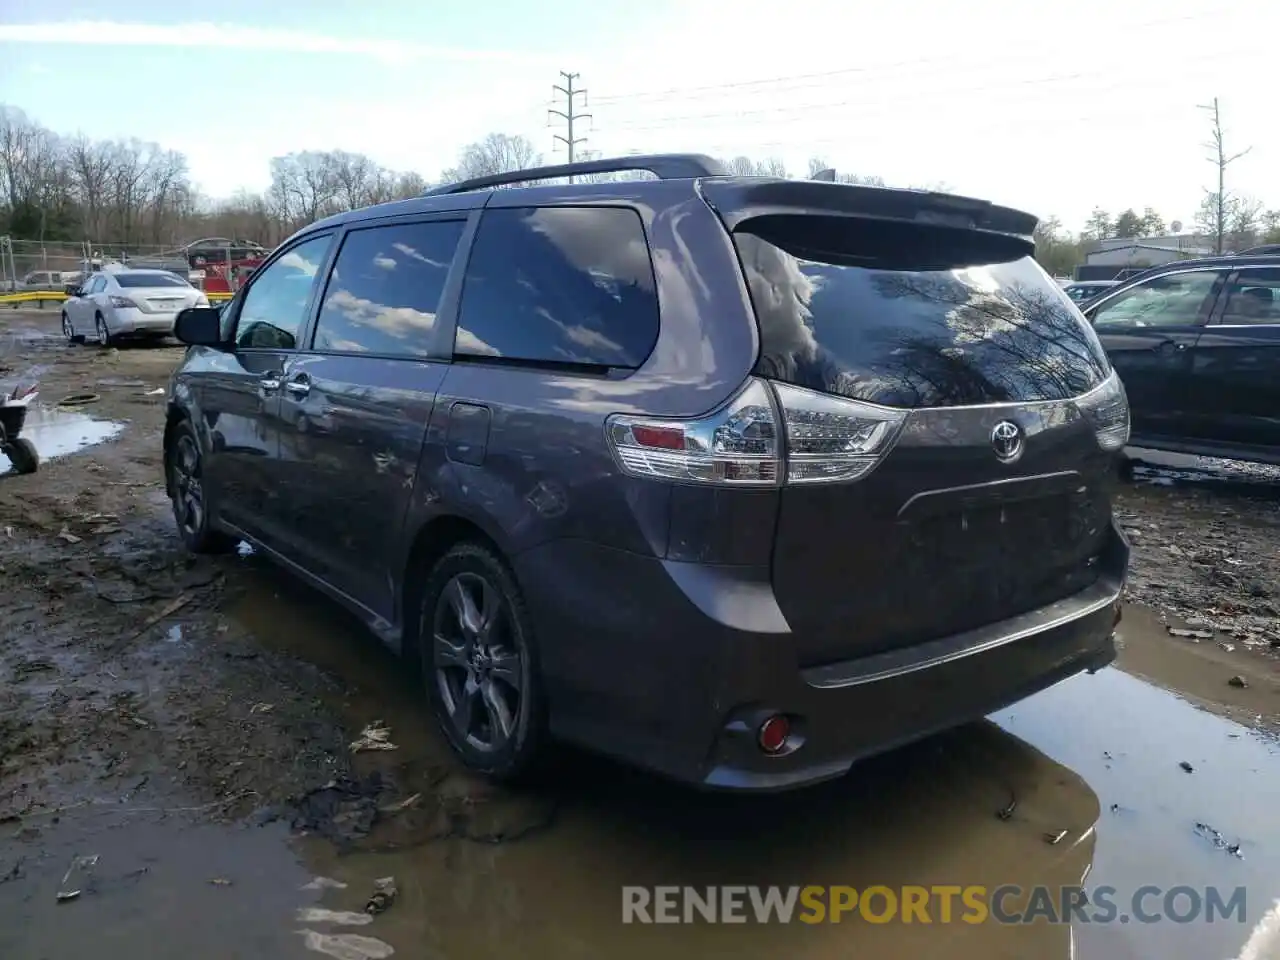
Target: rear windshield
pixel 149 280
pixel 851 316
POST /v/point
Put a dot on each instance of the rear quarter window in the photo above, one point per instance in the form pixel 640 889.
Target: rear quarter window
pixel 559 286
pixel 977 332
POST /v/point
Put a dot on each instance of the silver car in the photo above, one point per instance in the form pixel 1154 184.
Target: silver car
pixel 113 304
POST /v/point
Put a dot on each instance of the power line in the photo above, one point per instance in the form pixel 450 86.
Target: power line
pixel 687 92
pixel 569 113
pixel 798 112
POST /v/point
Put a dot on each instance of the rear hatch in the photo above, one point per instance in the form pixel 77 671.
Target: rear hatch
pixel 991 496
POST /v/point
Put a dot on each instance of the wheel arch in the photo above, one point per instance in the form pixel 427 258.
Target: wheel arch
pixel 433 539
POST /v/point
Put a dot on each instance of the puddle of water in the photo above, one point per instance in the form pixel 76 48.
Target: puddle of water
pixel 1164 469
pixel 57 433
pixel 1128 738
pixel 204 892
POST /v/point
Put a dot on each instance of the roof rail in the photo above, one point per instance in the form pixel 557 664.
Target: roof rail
pixel 665 166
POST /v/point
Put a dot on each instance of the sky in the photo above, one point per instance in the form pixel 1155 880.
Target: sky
pixel 1054 109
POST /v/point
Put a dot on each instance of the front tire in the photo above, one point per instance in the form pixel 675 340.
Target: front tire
pixel 184 467
pixel 479 663
pixel 69 331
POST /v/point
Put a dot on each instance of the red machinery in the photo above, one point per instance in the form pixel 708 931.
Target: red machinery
pixel 221 265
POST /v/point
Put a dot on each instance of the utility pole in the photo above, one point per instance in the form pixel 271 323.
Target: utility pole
pixel 1222 161
pixel 569 114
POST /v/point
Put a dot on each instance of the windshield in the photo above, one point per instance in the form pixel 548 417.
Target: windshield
pixel 970 334
pixel 150 280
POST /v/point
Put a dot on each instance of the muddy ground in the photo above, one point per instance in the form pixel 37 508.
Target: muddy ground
pixel 142 688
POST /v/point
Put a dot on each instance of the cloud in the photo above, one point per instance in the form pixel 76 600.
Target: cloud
pixel 238 37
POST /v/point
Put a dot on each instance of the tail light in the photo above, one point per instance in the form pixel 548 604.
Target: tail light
pixel 1107 408
pixel 768 434
pixel 123 302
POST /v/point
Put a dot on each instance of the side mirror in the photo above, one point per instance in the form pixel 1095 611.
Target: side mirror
pixel 72 290
pixel 199 326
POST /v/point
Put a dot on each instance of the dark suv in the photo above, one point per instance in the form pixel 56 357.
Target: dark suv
pixel 1198 345
pixel 737 479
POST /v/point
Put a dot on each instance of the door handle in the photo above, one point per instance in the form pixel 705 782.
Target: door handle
pixel 269 383
pixel 299 386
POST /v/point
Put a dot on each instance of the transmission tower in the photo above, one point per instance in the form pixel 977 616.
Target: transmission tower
pixel 570 113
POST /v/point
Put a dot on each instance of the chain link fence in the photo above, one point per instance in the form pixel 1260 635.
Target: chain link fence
pixel 29 268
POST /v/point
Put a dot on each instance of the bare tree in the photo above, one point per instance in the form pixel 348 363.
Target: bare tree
pixel 1221 158
pixel 496 153
pixel 304 187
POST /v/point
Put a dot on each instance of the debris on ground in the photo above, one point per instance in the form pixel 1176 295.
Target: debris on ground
pixel 405 804
pixel 324 883
pixel 375 736
pixel 342 811
pixel 14 872
pixel 168 610
pixel 384 894
pixel 1196 635
pixel 1006 812
pixel 1238 682
pixel 1186 766
pixel 1053 839
pixel 68 536
pixel 347 918
pixel 1218 840
pixel 346 946
pixel 220 882
pixel 73 881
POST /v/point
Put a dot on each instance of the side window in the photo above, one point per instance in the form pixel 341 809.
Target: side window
pixel 274 308
pixel 1253 297
pixel 1176 300
pixel 97 284
pixel 559 285
pixel 385 288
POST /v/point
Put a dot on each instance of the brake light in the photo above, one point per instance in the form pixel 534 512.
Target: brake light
pixel 123 302
pixel 769 433
pixel 735 445
pixel 1107 408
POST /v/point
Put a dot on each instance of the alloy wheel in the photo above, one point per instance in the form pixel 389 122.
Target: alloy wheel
pixel 188 493
pixel 104 335
pixel 66 327
pixel 479 669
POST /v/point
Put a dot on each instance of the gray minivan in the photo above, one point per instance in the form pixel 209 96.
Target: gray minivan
pixel 737 479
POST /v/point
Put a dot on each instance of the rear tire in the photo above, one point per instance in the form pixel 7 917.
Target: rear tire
pixel 184 473
pixel 69 332
pixel 23 456
pixel 479 663
pixel 104 333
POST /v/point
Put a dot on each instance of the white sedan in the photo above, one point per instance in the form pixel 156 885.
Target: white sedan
pixel 119 303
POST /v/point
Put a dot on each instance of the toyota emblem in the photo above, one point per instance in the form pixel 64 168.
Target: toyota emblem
pixel 1006 440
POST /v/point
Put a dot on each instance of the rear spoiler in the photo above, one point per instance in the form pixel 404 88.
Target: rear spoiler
pixel 738 199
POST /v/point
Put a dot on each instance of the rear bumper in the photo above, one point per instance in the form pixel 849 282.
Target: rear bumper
pixel 136 321
pixel 676 674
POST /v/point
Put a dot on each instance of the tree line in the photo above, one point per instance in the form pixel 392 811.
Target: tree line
pixel 70 189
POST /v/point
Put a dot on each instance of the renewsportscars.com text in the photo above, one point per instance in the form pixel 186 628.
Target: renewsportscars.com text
pixel 933 904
